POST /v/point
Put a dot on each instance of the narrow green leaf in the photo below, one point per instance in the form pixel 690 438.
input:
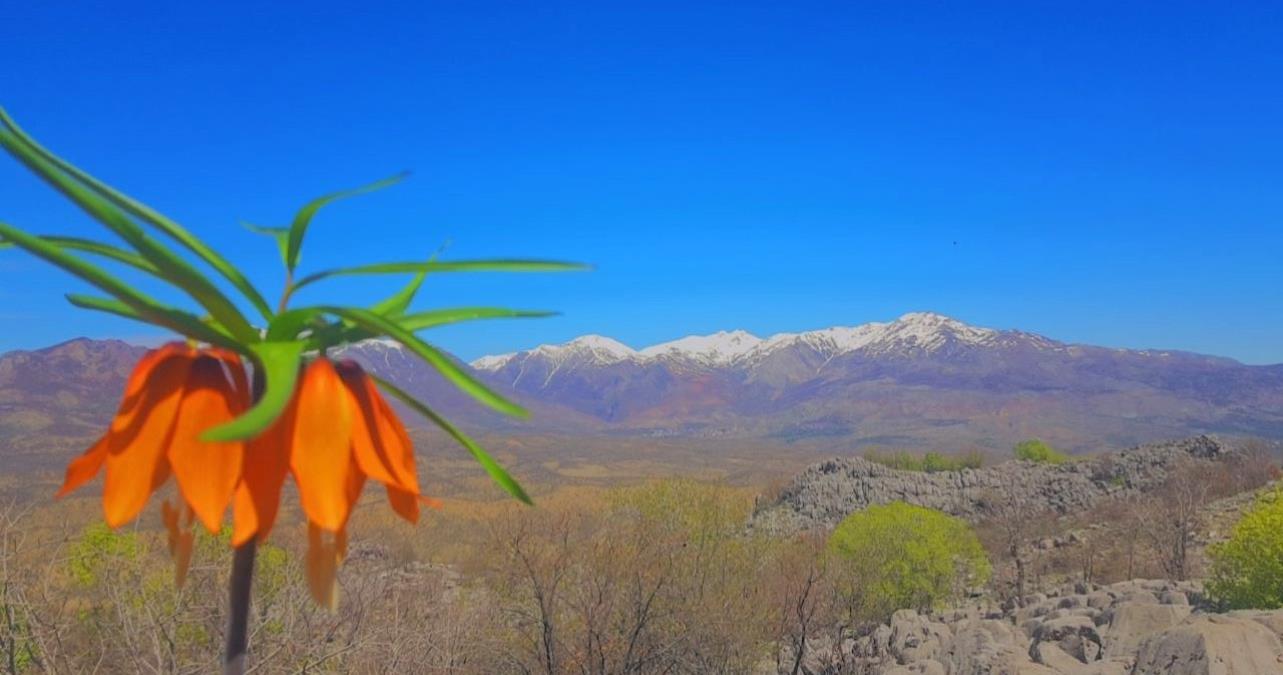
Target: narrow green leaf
pixel 455 266
pixel 399 302
pixel 147 308
pixel 280 363
pixel 496 471
pixel 178 321
pixel 441 317
pixel 173 268
pixel 169 227
pixel 281 235
pixel 289 324
pixel 381 325
pixel 304 217
pixel 105 250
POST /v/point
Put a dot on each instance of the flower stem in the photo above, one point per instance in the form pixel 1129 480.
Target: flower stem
pixel 238 608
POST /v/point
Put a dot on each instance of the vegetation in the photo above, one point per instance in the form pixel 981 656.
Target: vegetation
pixel 1035 450
pixel 901 556
pixel 931 462
pixel 1247 569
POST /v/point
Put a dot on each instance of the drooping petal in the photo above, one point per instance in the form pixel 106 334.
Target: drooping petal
pixel 236 369
pixel 207 473
pixel 325 550
pixel 244 515
pixel 137 386
pixel 181 538
pixel 263 471
pixel 320 450
pixel 396 442
pixel 406 504
pixel 82 469
pixel 136 463
pixel 367 444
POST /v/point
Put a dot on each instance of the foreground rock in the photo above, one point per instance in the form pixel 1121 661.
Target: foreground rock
pixel 1137 627
pixel 827 492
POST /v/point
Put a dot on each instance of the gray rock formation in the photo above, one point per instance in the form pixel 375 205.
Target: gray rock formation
pixel 825 493
pixel 1138 627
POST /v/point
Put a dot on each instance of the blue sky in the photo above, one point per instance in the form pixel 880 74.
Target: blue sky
pixel 1095 172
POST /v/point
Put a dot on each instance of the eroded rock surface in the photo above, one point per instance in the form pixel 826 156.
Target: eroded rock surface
pixel 1138 627
pixel 825 493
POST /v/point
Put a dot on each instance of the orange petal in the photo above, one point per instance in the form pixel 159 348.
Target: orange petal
pixel 207 473
pixel 324 552
pixel 136 463
pixel 406 504
pixel 244 515
pixel 258 497
pixel 137 384
pixel 236 369
pixel 355 483
pixel 320 450
pixel 396 442
pixel 83 468
pixel 181 539
pixel 367 445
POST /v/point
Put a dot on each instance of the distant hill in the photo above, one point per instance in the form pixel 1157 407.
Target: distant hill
pixel 59 397
pixel 922 381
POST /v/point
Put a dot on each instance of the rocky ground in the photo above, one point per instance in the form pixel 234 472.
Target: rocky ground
pixel 1138 627
pixel 826 492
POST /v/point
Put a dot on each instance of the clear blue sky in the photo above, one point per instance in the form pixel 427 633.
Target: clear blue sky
pixel 1108 172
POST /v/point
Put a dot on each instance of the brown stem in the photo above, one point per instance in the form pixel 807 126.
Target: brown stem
pixel 238 608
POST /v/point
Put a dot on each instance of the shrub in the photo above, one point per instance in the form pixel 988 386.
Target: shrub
pixel 1247 569
pixel 1035 450
pixel 901 556
pixel 931 462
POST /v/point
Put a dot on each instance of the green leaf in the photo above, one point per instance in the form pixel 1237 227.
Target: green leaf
pixel 173 319
pixel 280 363
pixel 304 217
pixel 441 317
pixel 172 268
pixel 288 325
pixel 381 325
pixel 456 266
pixel 399 302
pixel 145 307
pixel 281 235
pixel 496 471
pixel 169 227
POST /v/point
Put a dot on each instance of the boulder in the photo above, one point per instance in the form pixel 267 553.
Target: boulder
pixel 1211 645
pixel 1133 622
pixel 915 637
pixel 1075 635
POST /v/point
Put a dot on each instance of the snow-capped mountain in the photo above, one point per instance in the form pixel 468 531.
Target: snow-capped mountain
pixel 923 380
pixel 921 375
pixel 920 332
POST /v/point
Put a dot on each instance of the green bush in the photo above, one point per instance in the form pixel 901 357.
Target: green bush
pixel 1035 450
pixel 931 462
pixel 1247 569
pixel 901 556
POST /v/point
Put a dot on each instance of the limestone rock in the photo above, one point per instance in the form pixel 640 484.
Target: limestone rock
pixel 1211 645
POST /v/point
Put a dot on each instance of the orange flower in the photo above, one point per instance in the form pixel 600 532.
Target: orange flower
pixel 174 394
pixel 336 432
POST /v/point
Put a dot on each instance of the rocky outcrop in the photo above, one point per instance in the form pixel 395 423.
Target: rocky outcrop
pixel 826 492
pixel 1138 627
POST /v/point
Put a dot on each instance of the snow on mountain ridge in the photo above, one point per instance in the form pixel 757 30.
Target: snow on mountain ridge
pixel 917 330
pixel 720 348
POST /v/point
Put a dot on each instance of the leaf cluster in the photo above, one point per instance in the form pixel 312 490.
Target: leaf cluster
pixel 227 310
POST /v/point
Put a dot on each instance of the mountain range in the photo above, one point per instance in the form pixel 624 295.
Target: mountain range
pixel 921 381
